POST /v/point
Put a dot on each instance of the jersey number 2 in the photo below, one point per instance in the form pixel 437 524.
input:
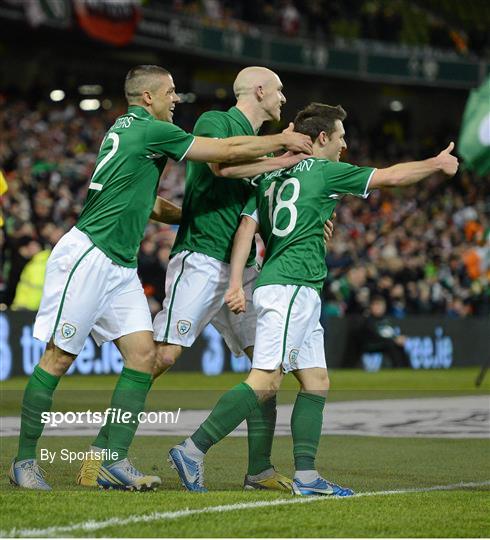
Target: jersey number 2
pixel 287 204
pixel 114 137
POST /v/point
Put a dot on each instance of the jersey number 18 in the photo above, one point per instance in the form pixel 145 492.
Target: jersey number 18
pixel 280 203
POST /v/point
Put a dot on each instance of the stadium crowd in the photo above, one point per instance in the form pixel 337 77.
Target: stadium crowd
pixel 439 24
pixel 426 249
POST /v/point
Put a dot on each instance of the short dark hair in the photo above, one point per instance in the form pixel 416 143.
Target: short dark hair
pixel 318 117
pixel 140 76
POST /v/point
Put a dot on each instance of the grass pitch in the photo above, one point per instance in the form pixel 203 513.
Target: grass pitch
pixel 196 391
pixel 370 465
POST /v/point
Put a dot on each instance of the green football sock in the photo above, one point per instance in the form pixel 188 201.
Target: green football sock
pixel 102 439
pixel 231 409
pixel 261 423
pixel 129 396
pixel 306 427
pixel 103 436
pixel 38 398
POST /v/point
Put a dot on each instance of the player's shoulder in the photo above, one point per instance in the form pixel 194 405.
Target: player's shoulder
pixel 219 118
pixel 156 126
pixel 213 124
pixel 332 164
pixel 213 114
pixel 337 167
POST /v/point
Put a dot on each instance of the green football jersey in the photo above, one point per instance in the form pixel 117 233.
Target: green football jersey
pixel 123 187
pixel 212 205
pixel 292 206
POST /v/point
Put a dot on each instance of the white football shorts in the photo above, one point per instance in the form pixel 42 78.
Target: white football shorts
pixel 289 333
pixel 194 296
pixel 86 292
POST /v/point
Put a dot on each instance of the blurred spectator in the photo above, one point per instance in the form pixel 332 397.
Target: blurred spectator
pixel 29 289
pixel 374 333
pixel 290 18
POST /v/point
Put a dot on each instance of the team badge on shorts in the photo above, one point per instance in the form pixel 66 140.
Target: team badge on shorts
pixel 183 327
pixel 68 330
pixel 293 356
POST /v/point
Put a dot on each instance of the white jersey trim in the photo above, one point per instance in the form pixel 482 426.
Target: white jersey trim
pixel 254 215
pixel 364 195
pixel 96 186
pixel 188 148
pixel 366 191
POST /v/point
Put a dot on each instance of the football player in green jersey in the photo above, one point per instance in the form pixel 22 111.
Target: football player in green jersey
pixel 91 284
pixel 197 275
pixel 198 272
pixel 290 208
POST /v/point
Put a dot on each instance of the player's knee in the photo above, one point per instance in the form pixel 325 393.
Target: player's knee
pixel 269 389
pixel 275 385
pixel 321 382
pixel 165 359
pixel 264 384
pixel 317 383
pixel 325 382
pixel 62 364
pixel 56 361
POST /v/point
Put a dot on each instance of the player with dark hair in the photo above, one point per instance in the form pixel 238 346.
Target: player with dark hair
pixel 291 206
pixel 91 283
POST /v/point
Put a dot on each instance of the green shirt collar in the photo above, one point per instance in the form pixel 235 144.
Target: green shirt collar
pixel 139 111
pixel 241 119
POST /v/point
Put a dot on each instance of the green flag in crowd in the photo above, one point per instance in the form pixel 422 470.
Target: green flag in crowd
pixel 474 138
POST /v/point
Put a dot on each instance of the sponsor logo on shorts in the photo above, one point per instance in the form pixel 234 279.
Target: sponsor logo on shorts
pixel 183 327
pixel 68 330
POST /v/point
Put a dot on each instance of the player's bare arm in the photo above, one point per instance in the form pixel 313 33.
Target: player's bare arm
pixel 328 230
pixel 242 244
pixel 405 174
pixel 166 211
pixel 257 166
pixel 245 148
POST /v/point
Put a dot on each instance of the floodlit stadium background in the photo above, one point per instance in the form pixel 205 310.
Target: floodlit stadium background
pixel 401 69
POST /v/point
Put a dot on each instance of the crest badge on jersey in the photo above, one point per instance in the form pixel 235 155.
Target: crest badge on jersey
pixel 293 356
pixel 183 327
pixel 68 330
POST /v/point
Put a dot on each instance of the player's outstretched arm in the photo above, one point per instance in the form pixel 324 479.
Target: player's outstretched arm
pixel 166 212
pixel 258 166
pixel 242 244
pixel 246 148
pixel 405 174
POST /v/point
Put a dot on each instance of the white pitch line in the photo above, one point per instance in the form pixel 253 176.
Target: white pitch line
pixel 90 526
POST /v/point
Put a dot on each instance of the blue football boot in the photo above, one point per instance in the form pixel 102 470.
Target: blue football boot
pixel 190 471
pixel 320 486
